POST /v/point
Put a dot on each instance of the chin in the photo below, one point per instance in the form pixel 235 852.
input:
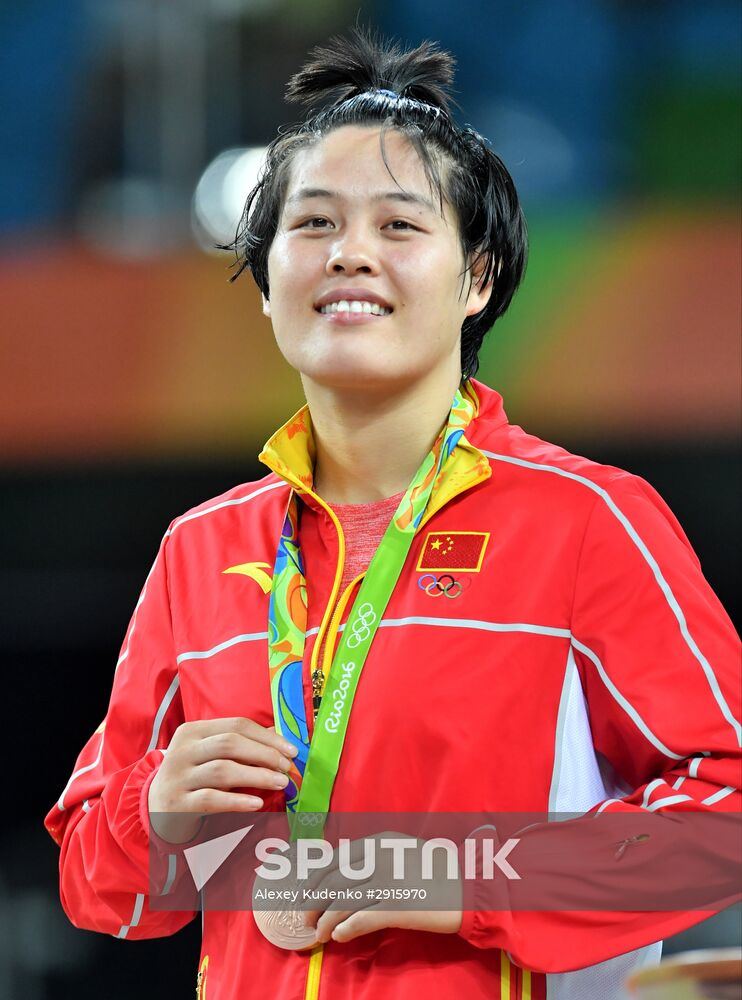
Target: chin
pixel 354 376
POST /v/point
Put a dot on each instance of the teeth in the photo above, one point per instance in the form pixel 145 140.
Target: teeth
pixel 356 306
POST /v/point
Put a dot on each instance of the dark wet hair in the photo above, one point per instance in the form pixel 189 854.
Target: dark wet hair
pixel 364 80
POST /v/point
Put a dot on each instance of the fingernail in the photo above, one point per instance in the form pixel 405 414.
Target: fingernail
pixel 253 800
pixel 288 748
pixel 281 781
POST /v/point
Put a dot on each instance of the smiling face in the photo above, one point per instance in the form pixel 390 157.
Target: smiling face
pixel 365 274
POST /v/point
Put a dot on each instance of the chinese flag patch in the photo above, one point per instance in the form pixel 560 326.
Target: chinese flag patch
pixel 460 550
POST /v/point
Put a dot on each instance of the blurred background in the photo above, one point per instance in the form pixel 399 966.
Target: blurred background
pixel 137 382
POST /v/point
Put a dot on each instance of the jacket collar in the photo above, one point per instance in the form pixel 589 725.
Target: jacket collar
pixel 291 451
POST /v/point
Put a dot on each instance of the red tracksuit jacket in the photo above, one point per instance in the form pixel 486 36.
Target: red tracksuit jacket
pixel 586 661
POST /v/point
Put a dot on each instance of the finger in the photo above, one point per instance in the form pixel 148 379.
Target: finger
pixel 245 727
pixel 254 731
pixel 215 800
pixel 227 774
pixel 336 885
pixel 364 922
pixel 329 920
pixel 234 746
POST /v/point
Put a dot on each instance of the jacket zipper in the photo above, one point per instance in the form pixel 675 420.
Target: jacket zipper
pixel 316 673
pixel 320 674
pixel 313 972
pixel 329 618
pixel 319 678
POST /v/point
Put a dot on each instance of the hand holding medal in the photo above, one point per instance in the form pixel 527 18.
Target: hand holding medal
pixel 206 769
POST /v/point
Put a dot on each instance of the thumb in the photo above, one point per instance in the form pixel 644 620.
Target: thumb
pixel 363 922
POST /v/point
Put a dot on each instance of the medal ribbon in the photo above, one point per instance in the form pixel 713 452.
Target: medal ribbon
pixel 315 767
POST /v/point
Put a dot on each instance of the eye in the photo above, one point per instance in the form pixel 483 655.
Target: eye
pixel 401 226
pixel 316 222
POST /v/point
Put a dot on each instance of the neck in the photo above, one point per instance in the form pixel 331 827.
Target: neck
pixel 370 446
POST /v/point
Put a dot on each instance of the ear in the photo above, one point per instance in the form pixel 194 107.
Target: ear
pixel 266 306
pixel 479 294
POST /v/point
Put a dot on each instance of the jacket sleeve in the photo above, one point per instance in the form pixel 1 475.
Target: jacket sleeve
pixel 659 665
pixel 100 820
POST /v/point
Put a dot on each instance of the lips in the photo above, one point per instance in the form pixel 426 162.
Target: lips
pixel 353 308
pixel 353 301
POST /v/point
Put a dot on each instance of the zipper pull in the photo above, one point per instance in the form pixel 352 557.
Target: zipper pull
pixel 318 684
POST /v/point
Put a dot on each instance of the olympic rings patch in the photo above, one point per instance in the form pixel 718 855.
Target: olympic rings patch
pixel 444 585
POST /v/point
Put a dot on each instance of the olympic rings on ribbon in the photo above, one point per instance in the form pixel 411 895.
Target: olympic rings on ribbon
pixel 361 626
pixel 444 585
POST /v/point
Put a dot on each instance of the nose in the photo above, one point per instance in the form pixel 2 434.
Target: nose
pixel 352 254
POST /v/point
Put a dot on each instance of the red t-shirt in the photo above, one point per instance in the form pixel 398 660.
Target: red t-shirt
pixel 363 527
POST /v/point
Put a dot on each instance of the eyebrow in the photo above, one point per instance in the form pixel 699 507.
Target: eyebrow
pixel 304 194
